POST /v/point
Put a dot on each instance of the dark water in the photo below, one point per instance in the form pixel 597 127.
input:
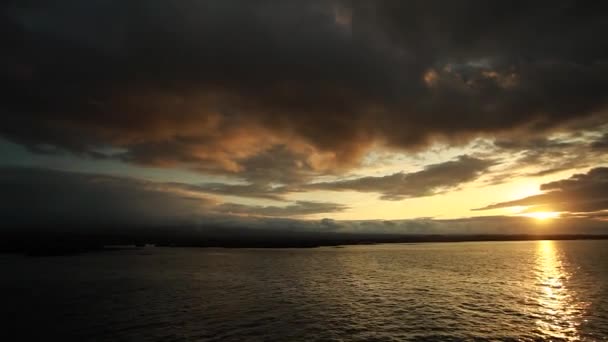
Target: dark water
pixel 443 291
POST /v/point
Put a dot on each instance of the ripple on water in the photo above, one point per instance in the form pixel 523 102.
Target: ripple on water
pixel 518 291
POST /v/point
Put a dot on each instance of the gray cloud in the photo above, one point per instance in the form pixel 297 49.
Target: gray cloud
pixel 601 144
pixel 580 194
pixel 47 197
pixel 85 203
pixel 255 190
pixel 433 179
pixel 427 226
pixel 299 208
pixel 533 144
pixel 540 156
pixel 271 174
pixel 554 155
pixel 42 196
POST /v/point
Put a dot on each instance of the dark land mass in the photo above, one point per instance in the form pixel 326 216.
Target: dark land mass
pixel 67 240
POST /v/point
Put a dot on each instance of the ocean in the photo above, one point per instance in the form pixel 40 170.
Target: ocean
pixel 511 291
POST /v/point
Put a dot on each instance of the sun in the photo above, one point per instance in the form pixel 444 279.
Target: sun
pixel 543 215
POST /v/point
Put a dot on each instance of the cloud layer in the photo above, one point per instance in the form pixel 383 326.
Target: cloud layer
pixel 433 179
pixel 269 105
pixel 582 194
pixel 217 85
pixel 85 203
pixel 48 197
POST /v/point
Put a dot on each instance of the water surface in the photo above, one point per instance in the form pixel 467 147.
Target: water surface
pixel 532 290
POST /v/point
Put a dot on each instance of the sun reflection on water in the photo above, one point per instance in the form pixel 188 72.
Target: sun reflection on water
pixel 559 314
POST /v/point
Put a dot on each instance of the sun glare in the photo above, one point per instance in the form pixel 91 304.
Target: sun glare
pixel 543 215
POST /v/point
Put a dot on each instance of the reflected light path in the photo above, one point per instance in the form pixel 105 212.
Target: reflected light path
pixel 560 314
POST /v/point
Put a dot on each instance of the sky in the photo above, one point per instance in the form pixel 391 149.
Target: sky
pixel 418 116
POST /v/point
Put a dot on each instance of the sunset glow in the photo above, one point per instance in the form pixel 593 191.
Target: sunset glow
pixel 289 117
pixel 306 170
pixel 543 215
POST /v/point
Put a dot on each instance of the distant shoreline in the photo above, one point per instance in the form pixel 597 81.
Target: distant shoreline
pixel 46 244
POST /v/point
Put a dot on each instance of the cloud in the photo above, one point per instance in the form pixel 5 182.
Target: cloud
pixel 433 179
pixel 66 202
pixel 584 194
pixel 422 226
pixel 534 144
pixel 538 156
pixel 553 155
pixel 246 190
pixel 267 181
pixel 300 208
pixel 43 196
pixel 211 85
pixel 48 197
pixel 601 144
pixel 271 174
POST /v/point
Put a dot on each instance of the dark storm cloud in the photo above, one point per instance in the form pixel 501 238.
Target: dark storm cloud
pixel 47 197
pixel 581 193
pixel 517 29
pixel 210 85
pixel 433 179
pixel 197 82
